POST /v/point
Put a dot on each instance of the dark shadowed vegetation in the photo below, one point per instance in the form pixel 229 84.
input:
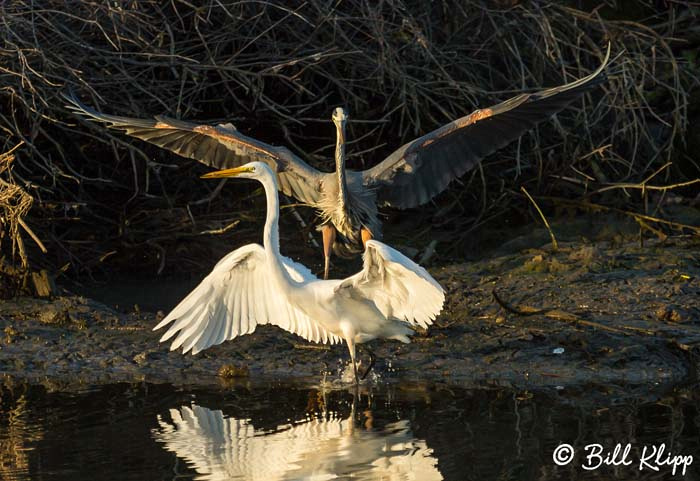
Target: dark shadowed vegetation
pixel 102 201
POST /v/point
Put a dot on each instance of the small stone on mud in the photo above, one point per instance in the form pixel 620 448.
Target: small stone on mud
pixel 229 371
pixel 668 314
pixel 536 264
pixel 141 358
pixel 10 333
pixel 51 316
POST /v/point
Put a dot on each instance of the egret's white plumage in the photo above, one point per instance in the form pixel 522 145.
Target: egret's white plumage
pixel 223 448
pixel 257 285
pixel 234 298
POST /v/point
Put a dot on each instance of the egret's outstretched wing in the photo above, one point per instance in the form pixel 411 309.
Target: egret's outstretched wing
pixel 234 298
pixel 220 146
pixel 400 288
pixel 422 168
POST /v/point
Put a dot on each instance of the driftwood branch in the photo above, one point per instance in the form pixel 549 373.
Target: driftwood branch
pixel 555 314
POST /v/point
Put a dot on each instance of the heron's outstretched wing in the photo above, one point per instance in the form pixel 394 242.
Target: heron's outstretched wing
pixel 422 168
pixel 399 288
pixel 233 299
pixel 220 146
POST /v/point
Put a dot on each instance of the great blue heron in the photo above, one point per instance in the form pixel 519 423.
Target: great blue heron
pixel 257 285
pixel 347 200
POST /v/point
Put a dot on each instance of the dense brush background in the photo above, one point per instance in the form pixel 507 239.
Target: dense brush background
pixel 102 202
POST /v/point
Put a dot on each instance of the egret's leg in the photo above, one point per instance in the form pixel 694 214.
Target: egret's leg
pixel 372 359
pixel 328 232
pixel 351 347
pixel 366 235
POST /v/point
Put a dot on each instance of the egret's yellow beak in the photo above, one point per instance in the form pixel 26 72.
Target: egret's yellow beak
pixel 218 174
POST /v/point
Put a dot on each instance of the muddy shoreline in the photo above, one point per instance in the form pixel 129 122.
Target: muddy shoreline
pixel 584 315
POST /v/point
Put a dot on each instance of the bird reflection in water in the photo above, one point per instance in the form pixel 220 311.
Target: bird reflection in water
pixel 326 446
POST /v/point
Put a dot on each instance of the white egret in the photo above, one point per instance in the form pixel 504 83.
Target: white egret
pixel 257 285
pixel 324 447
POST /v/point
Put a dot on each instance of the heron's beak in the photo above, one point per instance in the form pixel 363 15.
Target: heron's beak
pixel 218 174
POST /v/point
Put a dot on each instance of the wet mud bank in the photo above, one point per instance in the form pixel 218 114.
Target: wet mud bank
pixel 585 314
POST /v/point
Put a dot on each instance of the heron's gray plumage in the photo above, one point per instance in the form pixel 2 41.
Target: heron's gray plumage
pixel 410 176
pixel 220 146
pixel 359 210
pixel 419 170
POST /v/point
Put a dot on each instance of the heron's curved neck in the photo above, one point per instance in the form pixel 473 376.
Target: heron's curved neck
pixel 340 164
pixel 271 238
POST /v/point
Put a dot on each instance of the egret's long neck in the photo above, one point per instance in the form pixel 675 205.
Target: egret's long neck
pixel 340 164
pixel 271 238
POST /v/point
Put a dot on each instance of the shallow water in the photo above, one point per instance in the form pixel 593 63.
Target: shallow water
pixel 402 432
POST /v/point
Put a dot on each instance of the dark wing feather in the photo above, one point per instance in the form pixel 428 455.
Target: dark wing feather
pixel 220 147
pixel 423 168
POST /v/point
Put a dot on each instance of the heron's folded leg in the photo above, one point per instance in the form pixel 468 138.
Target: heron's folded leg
pixel 372 359
pixel 366 235
pixel 328 232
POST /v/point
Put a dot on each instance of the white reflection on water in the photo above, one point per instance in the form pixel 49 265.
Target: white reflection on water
pixel 318 448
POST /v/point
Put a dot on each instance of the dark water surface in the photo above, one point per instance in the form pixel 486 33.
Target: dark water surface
pixel 275 432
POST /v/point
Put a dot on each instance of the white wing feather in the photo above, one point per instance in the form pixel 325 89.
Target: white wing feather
pixel 236 297
pixel 398 287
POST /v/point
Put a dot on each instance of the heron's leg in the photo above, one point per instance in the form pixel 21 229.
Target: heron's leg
pixel 366 235
pixel 328 232
pixel 372 359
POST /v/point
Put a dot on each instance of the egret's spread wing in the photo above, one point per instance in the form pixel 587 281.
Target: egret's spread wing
pixel 221 147
pixel 234 298
pixel 423 168
pixel 399 288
